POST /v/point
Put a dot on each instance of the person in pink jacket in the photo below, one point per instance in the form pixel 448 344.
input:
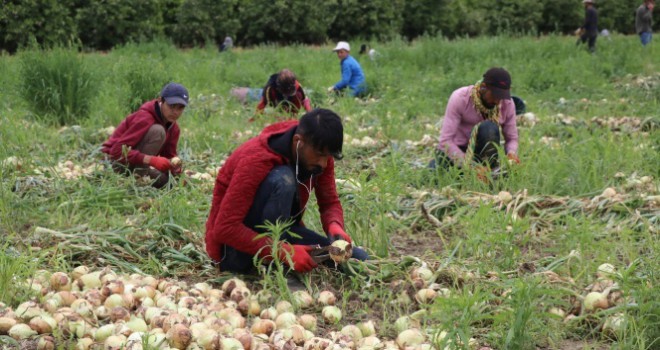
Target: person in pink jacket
pixel 145 142
pixel 476 118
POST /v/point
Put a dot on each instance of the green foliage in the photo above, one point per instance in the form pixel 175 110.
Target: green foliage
pixel 202 21
pixel 618 15
pixel 376 19
pixel 14 266
pixel 561 16
pixel 57 83
pixel 144 79
pixel 286 21
pixel 49 22
pixel 104 24
pixel 514 16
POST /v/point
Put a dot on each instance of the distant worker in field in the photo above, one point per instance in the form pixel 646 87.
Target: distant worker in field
pixel 589 30
pixel 283 91
pixel 270 178
pixel 477 116
pixel 644 21
pixel 365 49
pixel 145 142
pixel 227 44
pixel 351 72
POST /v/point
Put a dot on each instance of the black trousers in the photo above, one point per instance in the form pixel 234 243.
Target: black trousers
pixel 273 202
pixel 485 151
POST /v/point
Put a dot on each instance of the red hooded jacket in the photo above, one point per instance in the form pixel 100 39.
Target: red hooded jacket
pixel 131 131
pixel 236 187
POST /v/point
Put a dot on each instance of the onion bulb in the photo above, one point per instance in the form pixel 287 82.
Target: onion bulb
pixel 340 251
pixel 103 332
pixel 595 300
pixel 208 339
pixel 46 342
pixel 614 324
pixel 283 306
pixel 326 297
pixel 5 325
pixel 410 337
pixel 367 328
pixel 285 320
pixel 263 326
pixel 230 344
pixel 176 161
pixel 60 281
pixel 308 322
pixel 425 295
pixel 303 299
pixel 352 331
pixel 114 342
pixel 43 324
pixel 269 313
pixel 90 280
pixel 230 284
pixel 79 271
pixel 179 336
pixel 605 270
pixel 21 331
pixel 331 314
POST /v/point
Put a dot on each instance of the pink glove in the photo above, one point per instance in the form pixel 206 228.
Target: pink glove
pixel 335 230
pixel 161 163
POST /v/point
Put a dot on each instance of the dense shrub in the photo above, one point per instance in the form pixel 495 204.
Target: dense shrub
pixel 375 19
pixel 57 84
pixel 286 21
pixel 102 24
pixel 48 21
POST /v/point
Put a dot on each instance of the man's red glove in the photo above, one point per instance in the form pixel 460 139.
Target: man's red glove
pixel 513 158
pixel 335 230
pixel 161 163
pixel 299 255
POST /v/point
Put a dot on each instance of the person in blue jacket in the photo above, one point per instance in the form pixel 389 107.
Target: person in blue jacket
pixel 351 72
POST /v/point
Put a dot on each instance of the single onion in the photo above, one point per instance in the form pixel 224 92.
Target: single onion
pixel 425 295
pixel 28 310
pixel 614 324
pixel 369 342
pixel 353 332
pixel 103 332
pixel 60 281
pixel 239 293
pixel 283 306
pixel 367 328
pixel 410 337
pixel 230 344
pixel 504 197
pixel 21 331
pixel 119 313
pixel 340 251
pixel 422 272
pixel 405 322
pixel 84 343
pixel 5 325
pixel 263 326
pixel 326 297
pixel 43 324
pixel 113 301
pixel 244 337
pixel 331 314
pixel 269 313
pixel 90 280
pixel 285 320
pixel 114 342
pixel 595 300
pixel 46 342
pixel 79 271
pixel 137 324
pixel 605 270
pixel 608 193
pixel 208 339
pixel 303 299
pixel 230 284
pixel 179 336
pixel 308 322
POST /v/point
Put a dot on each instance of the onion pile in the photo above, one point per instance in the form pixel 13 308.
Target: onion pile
pixel 100 309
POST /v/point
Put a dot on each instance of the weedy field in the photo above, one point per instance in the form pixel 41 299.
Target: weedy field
pixel 560 254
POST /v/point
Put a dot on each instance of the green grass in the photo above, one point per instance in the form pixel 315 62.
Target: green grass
pixel 107 219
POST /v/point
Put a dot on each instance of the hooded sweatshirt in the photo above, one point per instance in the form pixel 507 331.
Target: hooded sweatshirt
pixel 131 131
pixel 237 184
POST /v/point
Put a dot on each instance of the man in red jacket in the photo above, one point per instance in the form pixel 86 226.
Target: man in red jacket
pixel 270 178
pixel 145 142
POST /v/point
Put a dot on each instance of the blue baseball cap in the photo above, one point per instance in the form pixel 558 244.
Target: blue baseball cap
pixel 174 93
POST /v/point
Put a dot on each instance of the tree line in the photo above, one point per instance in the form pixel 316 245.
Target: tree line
pixel 104 24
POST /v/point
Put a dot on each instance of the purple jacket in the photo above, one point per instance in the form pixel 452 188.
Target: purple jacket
pixel 461 116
